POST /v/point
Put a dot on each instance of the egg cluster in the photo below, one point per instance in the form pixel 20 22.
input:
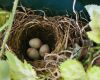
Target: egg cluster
pixel 37 49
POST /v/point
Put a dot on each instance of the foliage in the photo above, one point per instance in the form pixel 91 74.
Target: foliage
pixel 94 12
pixel 4 15
pixel 13 68
pixel 19 70
pixel 4 70
pixel 73 70
pixel 93 73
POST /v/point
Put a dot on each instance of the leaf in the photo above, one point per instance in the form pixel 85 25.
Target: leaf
pixel 4 19
pixel 91 8
pixel 4 15
pixel 93 36
pixel 4 70
pixel 94 73
pixel 5 25
pixel 72 70
pixel 18 69
pixel 94 12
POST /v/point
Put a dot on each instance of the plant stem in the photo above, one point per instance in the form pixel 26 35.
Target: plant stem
pixel 9 27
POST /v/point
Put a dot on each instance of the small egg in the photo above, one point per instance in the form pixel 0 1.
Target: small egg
pixel 43 50
pixel 35 43
pixel 33 53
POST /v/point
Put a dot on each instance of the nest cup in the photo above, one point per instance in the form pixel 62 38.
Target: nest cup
pixel 27 26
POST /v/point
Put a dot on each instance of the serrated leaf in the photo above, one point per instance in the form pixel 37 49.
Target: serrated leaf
pixel 94 73
pixel 4 70
pixel 18 69
pixel 94 12
pixel 72 70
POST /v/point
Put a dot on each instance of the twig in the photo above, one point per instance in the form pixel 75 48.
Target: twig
pixel 9 27
pixel 43 14
pixel 76 16
pixel 66 42
pixel 74 3
pixel 94 60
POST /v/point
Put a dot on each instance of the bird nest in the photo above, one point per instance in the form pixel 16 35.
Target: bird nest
pixel 27 26
pixel 59 32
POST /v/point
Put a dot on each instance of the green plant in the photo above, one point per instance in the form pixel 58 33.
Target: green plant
pixel 72 69
pixel 19 70
pixel 93 73
pixel 94 34
pixel 8 24
pixel 13 68
pixel 4 16
pixel 4 70
pixel 94 12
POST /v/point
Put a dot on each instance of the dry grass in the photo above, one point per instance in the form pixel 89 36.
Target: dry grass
pixel 60 32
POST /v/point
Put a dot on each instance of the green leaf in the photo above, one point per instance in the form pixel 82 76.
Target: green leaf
pixel 94 12
pixel 93 36
pixel 4 19
pixel 4 15
pixel 18 69
pixel 94 73
pixel 72 70
pixel 4 70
